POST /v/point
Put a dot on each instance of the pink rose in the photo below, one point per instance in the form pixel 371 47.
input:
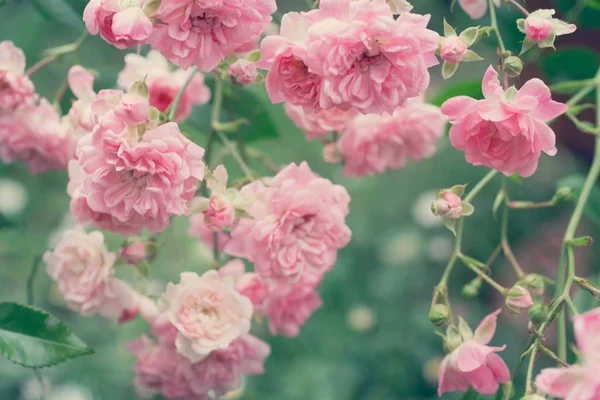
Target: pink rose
pixel 579 381
pixel 246 283
pixel 37 136
pixel 134 253
pixel 518 297
pixel 163 83
pixel 207 312
pixel 199 229
pixel 537 28
pixel 83 269
pixel 160 369
pixel 476 8
pixel 319 123
pixel 297 224
pixel 144 181
pixel 243 72
pixel 449 206
pixel 473 363
pixel 453 49
pixel 541 25
pixel 506 131
pixel 81 83
pixel 16 89
pixel 373 143
pixel 220 212
pixel 367 59
pixel 203 32
pixel 121 23
pixel 285 56
pixel 289 305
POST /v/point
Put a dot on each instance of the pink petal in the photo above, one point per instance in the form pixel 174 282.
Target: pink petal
pixel 474 8
pixel 498 367
pixel 454 108
pixel 486 328
pixel 547 108
pixel 471 355
pixel 81 82
pixel 558 382
pixel 491 85
pixel 483 381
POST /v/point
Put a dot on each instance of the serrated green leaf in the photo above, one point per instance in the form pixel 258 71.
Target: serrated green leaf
pixel 59 11
pixel 35 339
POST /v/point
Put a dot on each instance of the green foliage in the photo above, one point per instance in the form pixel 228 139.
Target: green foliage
pixel 36 339
pixel 59 11
pixel 471 89
pixel 471 395
pixel 5 223
pixel 592 208
pixel 570 63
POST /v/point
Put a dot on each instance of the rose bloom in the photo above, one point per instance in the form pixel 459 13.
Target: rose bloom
pixel 164 83
pixel 289 305
pixel 449 206
pixel 367 59
pixel 124 183
pixel 578 381
pixel 220 212
pixel 476 8
pixel 37 136
pixel 207 312
pixel 160 369
pixel 16 89
pixel 248 284
pixel 372 144
pixel 199 229
pixel 203 32
pixel 121 23
pixel 473 363
pixel 506 131
pixel 81 83
pixel 243 72
pixel 453 49
pixel 83 269
pixel 297 224
pixel 319 123
pixel 540 24
pixel 285 56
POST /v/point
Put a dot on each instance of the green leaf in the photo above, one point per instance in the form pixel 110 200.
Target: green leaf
pixel 570 63
pixel 469 35
pixel 254 56
pixel 59 11
pixel 470 395
pixel 35 339
pixel 448 30
pixel 592 207
pixel 471 89
pixel 527 44
pixel 448 69
pixel 471 56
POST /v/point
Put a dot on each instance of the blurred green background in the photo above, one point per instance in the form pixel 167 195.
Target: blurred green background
pixel 372 339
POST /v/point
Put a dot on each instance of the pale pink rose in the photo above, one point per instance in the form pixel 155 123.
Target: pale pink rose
pixel 81 83
pixel 319 123
pixel 247 283
pixel 160 369
pixel 540 24
pixel 373 143
pixel 127 109
pixel 164 83
pixel 16 89
pixel 220 212
pixel 285 56
pixel 134 253
pixel 143 180
pixel 289 305
pixel 518 297
pixel 296 224
pixel 453 49
pixel 475 364
pixel 580 381
pixel 207 312
pixel 506 131
pixel 121 23
pixel 367 59
pixel 476 8
pixel 243 72
pixel 83 269
pixel 449 206
pixel 37 136
pixel 199 229
pixel 203 32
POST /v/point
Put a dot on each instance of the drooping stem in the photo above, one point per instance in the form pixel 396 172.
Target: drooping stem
pixel 175 104
pixel 467 262
pixel 57 52
pixel 519 7
pixel 495 25
pixel 480 185
pixel 506 246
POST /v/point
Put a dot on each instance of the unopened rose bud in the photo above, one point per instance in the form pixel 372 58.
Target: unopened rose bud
pixel 220 211
pixel 471 290
pixel 448 206
pixel 537 28
pixel 438 314
pixel 538 313
pixel 564 194
pixel 535 284
pixel 453 49
pixel 243 72
pixel 518 297
pixel 331 154
pixel 134 253
pixel 513 66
